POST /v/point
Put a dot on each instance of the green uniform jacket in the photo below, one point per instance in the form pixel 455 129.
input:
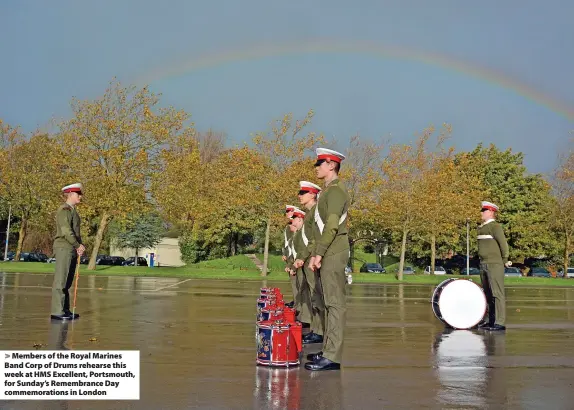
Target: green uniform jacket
pixel 330 228
pixel 287 236
pixel 307 242
pixel 492 245
pixel 67 228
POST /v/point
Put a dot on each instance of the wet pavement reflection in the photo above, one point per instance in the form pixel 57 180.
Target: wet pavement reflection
pixel 197 347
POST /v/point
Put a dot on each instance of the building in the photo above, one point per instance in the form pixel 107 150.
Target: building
pixel 166 253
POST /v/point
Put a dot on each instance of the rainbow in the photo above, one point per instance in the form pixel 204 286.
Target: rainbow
pixel 363 48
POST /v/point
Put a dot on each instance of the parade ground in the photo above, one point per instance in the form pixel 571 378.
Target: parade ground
pixel 196 340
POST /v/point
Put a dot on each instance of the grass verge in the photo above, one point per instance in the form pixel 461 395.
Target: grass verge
pixel 236 269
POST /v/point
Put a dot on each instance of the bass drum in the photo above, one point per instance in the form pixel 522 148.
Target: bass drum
pixel 459 303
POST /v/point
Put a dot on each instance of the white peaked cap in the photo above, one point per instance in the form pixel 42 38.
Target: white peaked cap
pixel 489 205
pixel 309 186
pixel 73 188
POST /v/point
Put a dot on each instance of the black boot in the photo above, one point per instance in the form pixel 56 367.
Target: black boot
pixel 322 364
pixel 313 357
pixel 71 315
pixel 312 338
pixel 496 328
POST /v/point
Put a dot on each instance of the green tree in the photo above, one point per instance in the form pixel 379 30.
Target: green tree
pixel 138 232
pixel 522 198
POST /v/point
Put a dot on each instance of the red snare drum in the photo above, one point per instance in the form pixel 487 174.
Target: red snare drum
pixel 278 343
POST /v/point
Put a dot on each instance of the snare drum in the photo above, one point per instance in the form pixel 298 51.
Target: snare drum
pixel 278 343
pixel 459 303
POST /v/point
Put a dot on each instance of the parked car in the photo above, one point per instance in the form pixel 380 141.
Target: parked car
pixel 9 256
pixel 569 273
pixel 33 257
pixel 372 268
pixel 540 272
pixel 471 271
pixel 438 270
pixel 130 261
pixel 408 270
pixel 117 260
pixel 512 272
pixel 104 260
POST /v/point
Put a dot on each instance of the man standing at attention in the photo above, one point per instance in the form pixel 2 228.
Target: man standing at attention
pixel 286 250
pixel 67 247
pixel 330 256
pixel 493 253
pixel 308 193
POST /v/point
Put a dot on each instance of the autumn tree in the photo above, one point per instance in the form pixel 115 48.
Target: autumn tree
pixel 361 166
pixel 229 204
pixel 395 199
pixel 116 141
pixel 30 179
pixel 447 199
pixel 283 146
pixel 562 206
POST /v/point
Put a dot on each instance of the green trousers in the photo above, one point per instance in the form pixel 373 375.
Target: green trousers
pixel 333 281
pixel 66 261
pixel 492 277
pixel 316 299
pixel 304 298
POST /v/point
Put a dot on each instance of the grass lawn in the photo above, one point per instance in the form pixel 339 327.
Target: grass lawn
pixel 241 267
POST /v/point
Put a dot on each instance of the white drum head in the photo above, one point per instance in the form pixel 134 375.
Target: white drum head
pixel 462 304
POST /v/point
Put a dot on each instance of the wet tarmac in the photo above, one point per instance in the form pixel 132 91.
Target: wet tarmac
pixel 197 346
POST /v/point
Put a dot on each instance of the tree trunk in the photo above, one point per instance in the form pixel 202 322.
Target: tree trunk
pixel 233 243
pixel 136 259
pixel 403 250
pixel 21 238
pixel 566 255
pixel 266 248
pixel 433 252
pixel 352 254
pixel 106 218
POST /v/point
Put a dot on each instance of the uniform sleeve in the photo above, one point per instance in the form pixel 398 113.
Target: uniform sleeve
pixel 64 220
pixel 498 234
pixel 335 207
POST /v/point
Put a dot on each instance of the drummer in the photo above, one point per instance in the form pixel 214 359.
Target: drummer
pixel 493 253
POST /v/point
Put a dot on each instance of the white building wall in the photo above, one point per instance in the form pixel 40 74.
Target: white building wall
pixel 166 253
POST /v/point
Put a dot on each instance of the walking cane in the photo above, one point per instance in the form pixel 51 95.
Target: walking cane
pixel 77 276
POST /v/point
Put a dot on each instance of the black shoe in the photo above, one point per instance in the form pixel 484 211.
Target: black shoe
pixel 290 304
pixel 312 338
pixel 313 357
pixel 63 316
pixel 495 328
pixel 322 364
pixel 483 325
pixel 305 325
pixel 71 315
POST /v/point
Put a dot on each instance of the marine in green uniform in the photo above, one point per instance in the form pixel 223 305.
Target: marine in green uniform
pixel 67 247
pixel 330 256
pixel 308 198
pixel 286 250
pixel 493 253
pixel 303 299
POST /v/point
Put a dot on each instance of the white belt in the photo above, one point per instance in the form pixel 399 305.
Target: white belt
pixel 485 237
pixel 320 222
pixel 286 241
pixel 305 240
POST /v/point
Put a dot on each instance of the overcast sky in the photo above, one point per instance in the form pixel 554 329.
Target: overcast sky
pixel 498 72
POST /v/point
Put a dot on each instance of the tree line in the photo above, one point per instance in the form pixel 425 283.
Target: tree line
pixel 137 158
